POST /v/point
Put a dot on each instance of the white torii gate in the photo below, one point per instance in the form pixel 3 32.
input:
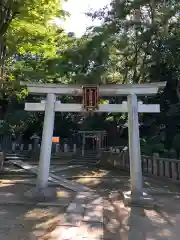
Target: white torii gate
pixel 132 106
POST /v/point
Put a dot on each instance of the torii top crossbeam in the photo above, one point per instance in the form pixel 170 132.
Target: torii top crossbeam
pixel 104 90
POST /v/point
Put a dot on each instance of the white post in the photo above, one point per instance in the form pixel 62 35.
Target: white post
pixel 29 147
pixel 65 147
pixel 46 143
pixel 21 147
pixel 14 147
pixel 74 148
pixel 83 144
pixel 99 137
pixel 134 148
pixel 57 148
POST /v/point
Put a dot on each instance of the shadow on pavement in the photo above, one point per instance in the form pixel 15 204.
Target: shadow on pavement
pixel 124 223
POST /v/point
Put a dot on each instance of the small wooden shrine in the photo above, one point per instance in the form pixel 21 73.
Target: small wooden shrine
pixel 93 140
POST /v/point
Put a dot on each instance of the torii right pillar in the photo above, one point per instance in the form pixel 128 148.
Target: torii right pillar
pixel 134 149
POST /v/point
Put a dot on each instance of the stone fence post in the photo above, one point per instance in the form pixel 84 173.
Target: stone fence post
pixel 57 148
pixel 14 147
pixel 65 147
pixel 29 147
pixel 21 147
pixel 1 160
pixel 74 148
pixel 155 164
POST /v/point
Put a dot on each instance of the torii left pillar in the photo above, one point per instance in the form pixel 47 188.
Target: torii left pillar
pixel 46 144
pixel 42 192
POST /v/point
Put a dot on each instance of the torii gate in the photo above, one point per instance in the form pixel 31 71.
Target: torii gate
pixel 132 106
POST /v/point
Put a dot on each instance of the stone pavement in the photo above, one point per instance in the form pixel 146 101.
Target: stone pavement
pixel 83 219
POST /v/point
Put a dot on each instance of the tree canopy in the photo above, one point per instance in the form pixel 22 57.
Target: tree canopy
pixel 138 42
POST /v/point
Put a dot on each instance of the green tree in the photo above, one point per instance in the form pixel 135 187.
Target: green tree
pixel 27 38
pixel 27 29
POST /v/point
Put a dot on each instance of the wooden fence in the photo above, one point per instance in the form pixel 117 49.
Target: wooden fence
pixel 151 166
pixel 56 148
pixel 161 167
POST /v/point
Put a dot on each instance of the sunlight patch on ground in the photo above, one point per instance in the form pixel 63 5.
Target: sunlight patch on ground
pixel 153 215
pixel 45 221
pixel 147 183
pixel 13 169
pixel 62 194
pixel 45 225
pixel 6 194
pixel 3 212
pixel 165 233
pixel 6 184
pixel 88 181
pixel 11 182
pixel 97 173
pixel 39 213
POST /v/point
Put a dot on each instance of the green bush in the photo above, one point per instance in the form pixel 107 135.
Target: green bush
pixel 150 147
pixel 176 144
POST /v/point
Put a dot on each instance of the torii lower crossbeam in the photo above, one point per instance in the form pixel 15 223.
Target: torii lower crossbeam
pixel 113 108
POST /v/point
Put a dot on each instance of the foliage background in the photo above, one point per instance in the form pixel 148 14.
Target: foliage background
pixel 138 42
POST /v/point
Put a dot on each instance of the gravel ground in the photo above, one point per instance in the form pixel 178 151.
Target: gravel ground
pixel 27 222
pixel 24 223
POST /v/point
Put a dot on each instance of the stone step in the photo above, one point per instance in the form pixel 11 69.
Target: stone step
pixel 53 178
pixel 85 161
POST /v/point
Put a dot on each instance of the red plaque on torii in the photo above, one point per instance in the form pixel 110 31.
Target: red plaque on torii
pixel 90 97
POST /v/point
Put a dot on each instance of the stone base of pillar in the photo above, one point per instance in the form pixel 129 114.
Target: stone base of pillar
pixel 41 195
pixel 145 201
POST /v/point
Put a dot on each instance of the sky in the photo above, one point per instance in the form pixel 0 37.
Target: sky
pixel 78 22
